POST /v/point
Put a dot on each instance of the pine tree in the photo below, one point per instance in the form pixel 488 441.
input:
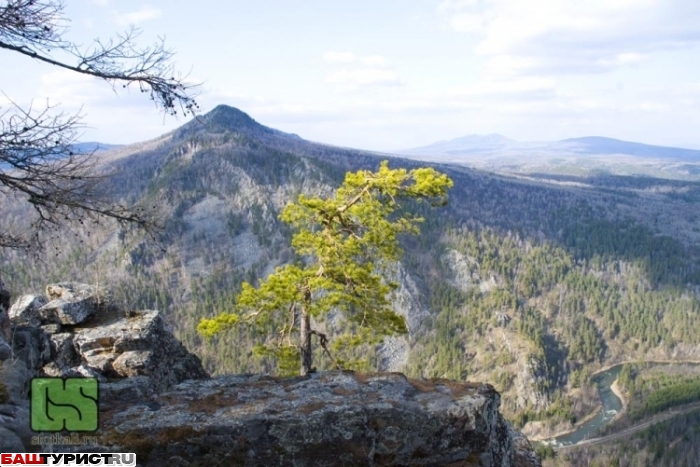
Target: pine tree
pixel 346 244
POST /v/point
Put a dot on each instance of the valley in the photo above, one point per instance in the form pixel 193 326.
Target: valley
pixel 531 282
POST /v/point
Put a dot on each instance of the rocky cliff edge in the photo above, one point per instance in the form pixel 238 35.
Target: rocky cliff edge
pixel 157 400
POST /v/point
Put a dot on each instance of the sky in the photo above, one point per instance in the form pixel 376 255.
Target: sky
pixel 394 74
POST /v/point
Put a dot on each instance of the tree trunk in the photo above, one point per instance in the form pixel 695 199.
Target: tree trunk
pixel 305 342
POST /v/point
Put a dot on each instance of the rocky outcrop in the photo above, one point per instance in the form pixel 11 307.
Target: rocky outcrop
pixel 26 310
pixel 72 303
pixel 330 418
pixel 157 400
pixel 77 332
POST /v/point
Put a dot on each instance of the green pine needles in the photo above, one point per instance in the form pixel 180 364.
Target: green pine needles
pixel 346 244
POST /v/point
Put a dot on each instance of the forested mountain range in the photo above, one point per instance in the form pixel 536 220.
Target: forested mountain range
pixel 529 283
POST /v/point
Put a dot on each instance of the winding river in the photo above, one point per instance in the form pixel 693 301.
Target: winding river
pixel 611 407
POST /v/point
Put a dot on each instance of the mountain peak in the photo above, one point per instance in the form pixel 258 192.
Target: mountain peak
pixel 230 118
pixel 224 118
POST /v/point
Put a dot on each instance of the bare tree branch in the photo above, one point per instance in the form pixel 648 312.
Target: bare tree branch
pixel 34 28
pixel 37 162
pixel 40 167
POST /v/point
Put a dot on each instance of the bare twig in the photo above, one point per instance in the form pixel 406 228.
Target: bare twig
pixel 37 161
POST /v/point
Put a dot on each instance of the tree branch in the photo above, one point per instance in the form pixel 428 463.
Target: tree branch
pixel 30 26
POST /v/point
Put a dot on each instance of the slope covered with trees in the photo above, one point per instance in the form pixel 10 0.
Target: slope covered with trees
pixel 529 286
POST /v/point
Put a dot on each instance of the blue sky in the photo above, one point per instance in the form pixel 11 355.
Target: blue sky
pixel 393 74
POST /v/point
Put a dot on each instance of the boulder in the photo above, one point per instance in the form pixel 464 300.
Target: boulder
pixel 79 334
pixel 137 345
pixel 72 303
pixel 63 356
pixel 107 345
pixel 330 418
pixel 25 310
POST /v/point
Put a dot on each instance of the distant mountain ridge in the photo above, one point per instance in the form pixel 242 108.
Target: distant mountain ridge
pixel 584 145
pixel 602 145
pixel 573 156
pixel 93 146
pixel 471 143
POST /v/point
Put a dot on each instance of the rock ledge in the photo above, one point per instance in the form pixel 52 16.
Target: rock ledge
pixel 330 418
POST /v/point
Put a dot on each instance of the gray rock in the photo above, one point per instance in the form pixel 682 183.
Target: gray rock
pixel 5 349
pixel 63 353
pixel 16 378
pixel 14 406
pixel 523 454
pixel 333 418
pixel 137 349
pixel 138 387
pixel 132 362
pixel 52 370
pixel 9 442
pixel 87 372
pixel 72 303
pixel 16 419
pixel 54 328
pixel 138 345
pixel 32 346
pixel 71 311
pixel 25 310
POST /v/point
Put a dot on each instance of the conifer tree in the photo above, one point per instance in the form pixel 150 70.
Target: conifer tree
pixel 346 244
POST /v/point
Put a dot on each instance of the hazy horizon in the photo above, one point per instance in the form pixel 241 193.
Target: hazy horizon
pixel 400 74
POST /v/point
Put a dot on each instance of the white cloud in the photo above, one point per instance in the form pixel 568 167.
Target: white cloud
pixel 141 15
pixel 360 71
pixel 572 36
pixel 71 89
pixel 364 77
